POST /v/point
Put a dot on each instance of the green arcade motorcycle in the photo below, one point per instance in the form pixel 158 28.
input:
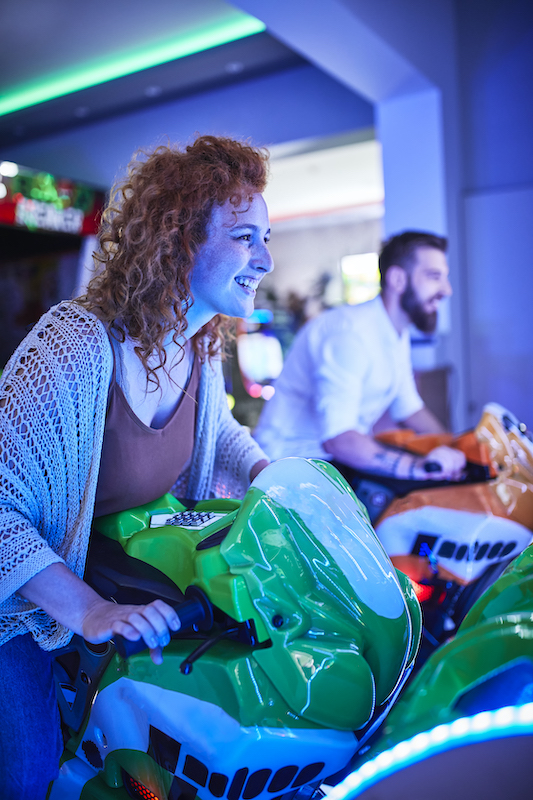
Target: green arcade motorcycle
pixel 297 636
pixel 463 727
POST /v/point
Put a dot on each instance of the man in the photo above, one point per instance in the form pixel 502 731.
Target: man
pixel 352 363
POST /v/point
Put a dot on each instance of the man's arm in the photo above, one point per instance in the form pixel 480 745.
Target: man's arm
pixel 362 452
pixel 424 421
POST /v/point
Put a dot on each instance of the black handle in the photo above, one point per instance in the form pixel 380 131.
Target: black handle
pixel 196 609
pixel 432 466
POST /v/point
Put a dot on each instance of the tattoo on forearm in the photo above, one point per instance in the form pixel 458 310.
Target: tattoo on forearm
pixel 387 461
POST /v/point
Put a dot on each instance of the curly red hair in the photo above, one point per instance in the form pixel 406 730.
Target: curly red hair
pixel 150 234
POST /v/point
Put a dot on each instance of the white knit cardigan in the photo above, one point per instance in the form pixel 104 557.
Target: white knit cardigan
pixel 53 399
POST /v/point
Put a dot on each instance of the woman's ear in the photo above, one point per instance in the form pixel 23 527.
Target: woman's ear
pixel 396 279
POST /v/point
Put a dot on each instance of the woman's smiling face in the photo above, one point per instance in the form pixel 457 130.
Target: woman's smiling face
pixel 231 262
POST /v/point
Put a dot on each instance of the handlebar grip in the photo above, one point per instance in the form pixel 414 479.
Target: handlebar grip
pixel 432 466
pixel 196 609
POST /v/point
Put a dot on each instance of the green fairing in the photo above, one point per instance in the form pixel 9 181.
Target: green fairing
pixel 414 612
pixel 330 659
pixel 173 551
pixel 227 676
pixel 512 593
pixel 108 785
pixel 496 635
pixel 331 652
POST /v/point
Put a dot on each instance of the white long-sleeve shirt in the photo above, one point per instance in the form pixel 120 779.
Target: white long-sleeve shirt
pixel 344 370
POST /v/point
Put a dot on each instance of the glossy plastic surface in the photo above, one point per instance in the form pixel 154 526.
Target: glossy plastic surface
pixel 466 527
pixel 337 630
pixel 488 665
pixel 340 624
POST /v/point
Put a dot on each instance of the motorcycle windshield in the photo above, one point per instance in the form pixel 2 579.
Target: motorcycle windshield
pixel 316 493
pixel 338 622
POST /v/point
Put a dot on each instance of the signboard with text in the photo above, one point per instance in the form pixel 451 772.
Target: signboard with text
pixel 39 201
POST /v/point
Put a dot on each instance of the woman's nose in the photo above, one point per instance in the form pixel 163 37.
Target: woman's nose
pixel 263 259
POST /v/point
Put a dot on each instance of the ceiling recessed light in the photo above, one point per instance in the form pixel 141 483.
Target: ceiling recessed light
pixel 239 26
pixel 234 67
pixel 153 91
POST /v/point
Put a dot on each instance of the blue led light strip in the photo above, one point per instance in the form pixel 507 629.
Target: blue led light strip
pixel 508 721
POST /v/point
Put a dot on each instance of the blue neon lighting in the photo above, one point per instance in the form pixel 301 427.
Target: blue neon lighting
pixel 261 316
pixel 508 721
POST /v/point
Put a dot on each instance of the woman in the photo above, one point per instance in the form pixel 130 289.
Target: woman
pixel 111 401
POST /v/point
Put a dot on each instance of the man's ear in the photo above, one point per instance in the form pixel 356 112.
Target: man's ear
pixel 396 279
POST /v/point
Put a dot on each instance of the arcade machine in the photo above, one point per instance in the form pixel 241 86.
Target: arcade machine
pixel 47 229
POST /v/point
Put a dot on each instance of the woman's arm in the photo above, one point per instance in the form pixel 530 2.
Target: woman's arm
pixel 258 467
pixel 73 603
pixel 53 397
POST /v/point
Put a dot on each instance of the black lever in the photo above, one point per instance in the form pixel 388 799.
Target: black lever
pixel 186 664
pixel 195 610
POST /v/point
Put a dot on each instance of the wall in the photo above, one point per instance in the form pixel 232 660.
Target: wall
pixel 496 63
pixel 306 250
pixel 295 104
pixel 496 68
pixel 479 54
pixel 499 246
pixel 400 54
pixel 475 59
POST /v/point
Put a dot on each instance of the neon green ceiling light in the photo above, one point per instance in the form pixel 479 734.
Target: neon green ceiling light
pixel 128 63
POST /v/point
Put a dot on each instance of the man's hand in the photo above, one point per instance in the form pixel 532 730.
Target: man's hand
pixel 364 453
pixel 452 463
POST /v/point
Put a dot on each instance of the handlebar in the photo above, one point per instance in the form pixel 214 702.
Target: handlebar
pixel 432 466
pixel 196 609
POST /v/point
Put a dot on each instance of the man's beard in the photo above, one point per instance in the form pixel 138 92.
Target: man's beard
pixel 425 321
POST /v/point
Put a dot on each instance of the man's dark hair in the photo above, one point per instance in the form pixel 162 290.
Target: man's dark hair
pixel 401 250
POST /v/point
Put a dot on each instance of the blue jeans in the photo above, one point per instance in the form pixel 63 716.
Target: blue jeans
pixel 30 734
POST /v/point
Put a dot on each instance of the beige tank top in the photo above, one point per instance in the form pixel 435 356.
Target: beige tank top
pixel 140 463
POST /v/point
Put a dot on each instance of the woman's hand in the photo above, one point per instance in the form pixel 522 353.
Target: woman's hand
pixel 73 603
pixel 152 622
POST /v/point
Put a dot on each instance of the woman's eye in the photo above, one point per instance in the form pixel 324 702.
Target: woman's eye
pixel 246 237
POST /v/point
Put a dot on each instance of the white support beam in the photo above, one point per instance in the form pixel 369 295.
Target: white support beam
pixel 330 36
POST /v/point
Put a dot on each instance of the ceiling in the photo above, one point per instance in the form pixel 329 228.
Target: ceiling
pixel 47 44
pixel 50 45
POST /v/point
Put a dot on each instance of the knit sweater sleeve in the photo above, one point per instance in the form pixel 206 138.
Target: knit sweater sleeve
pixel 235 455
pixel 52 412
pixel 224 452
